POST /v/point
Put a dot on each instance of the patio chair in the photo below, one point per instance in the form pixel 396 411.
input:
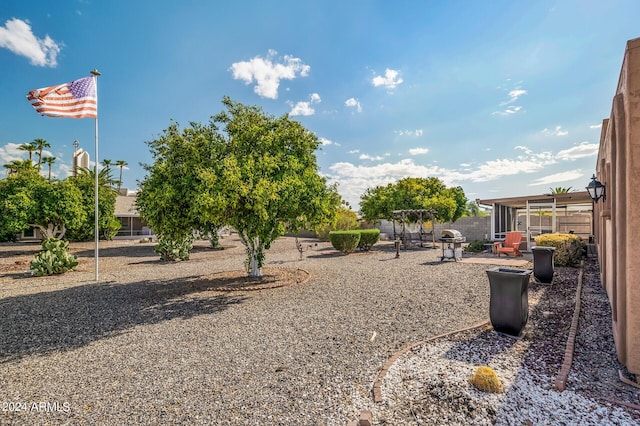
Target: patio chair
pixel 511 244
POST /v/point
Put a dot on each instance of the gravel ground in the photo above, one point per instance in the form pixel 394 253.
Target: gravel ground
pixel 150 344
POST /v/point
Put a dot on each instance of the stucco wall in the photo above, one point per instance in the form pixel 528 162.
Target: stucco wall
pixel 617 219
pixel 471 227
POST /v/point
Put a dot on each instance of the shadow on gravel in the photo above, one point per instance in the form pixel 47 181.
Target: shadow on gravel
pixel 74 317
pixel 119 251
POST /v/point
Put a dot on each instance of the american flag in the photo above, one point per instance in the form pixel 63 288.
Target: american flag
pixel 77 99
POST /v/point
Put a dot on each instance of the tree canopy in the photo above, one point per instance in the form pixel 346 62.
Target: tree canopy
pixel 58 208
pixel 449 204
pixel 28 199
pixel 252 171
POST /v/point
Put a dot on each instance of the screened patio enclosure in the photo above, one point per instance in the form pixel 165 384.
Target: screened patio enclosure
pixel 541 214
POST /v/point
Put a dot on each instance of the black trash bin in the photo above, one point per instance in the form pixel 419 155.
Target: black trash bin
pixel 543 263
pixel 509 303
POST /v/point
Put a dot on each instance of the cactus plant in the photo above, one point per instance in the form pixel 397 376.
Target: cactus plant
pixel 54 258
pixel 485 379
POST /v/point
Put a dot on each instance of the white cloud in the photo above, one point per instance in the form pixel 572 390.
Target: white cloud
pixel 418 151
pixel 268 74
pixel 390 80
pixel 10 152
pixel 353 103
pixel 353 151
pixel 558 178
pixel 584 149
pixel 354 179
pixel 326 142
pixel 596 126
pixel 508 111
pixel 513 96
pixel 416 133
pixel 370 157
pixel 305 108
pixel 17 36
pixel 555 132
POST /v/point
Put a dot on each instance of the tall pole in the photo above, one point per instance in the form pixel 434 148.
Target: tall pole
pixel 95 74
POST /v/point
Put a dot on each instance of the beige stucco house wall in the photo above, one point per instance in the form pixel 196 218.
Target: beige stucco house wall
pixel 617 219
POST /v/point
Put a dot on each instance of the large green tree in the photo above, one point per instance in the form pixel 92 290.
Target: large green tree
pixel 270 178
pixel 182 192
pixel 252 171
pixel 28 199
pixel 430 193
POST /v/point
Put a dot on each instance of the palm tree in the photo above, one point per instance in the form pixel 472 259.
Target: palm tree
pixel 472 209
pixel 104 175
pixel 560 190
pixel 121 164
pixel 40 144
pixel 49 161
pixel 17 166
pixel 106 163
pixel 30 147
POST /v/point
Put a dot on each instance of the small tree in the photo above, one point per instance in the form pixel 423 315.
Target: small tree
pixel 59 206
pixel 28 199
pixel 258 175
pixel 269 177
pixel 449 204
pixel 181 193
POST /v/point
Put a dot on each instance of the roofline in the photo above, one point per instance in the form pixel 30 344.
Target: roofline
pixel 578 197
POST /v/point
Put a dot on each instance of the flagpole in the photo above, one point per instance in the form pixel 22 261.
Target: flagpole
pixel 95 74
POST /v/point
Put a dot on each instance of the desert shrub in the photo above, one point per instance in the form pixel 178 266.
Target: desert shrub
pixel 53 259
pixel 344 241
pixel 569 248
pixel 477 246
pixel 486 379
pixel 368 237
pixel 174 248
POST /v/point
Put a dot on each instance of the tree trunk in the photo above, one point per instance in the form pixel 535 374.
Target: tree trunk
pixel 255 256
pixel 51 231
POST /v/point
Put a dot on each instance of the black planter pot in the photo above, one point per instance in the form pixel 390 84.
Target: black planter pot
pixel 543 263
pixel 509 303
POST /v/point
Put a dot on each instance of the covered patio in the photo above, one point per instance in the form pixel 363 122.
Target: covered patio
pixel 534 215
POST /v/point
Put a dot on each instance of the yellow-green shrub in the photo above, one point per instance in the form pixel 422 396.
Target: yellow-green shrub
pixel 368 237
pixel 569 248
pixel 485 379
pixel 344 241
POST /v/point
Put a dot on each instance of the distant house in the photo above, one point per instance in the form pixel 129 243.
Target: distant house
pixel 131 225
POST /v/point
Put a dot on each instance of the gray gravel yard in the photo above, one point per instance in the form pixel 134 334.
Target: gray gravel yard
pixel 149 344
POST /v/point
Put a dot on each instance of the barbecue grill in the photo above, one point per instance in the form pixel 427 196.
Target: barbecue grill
pixel 453 240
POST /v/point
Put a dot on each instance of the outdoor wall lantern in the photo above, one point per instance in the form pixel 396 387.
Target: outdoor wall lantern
pixel 596 190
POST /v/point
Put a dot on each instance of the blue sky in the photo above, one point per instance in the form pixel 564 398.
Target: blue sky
pixel 503 98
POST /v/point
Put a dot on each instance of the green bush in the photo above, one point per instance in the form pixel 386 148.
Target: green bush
pixel 477 246
pixel 368 237
pixel 569 248
pixel 344 241
pixel 174 248
pixel 53 259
